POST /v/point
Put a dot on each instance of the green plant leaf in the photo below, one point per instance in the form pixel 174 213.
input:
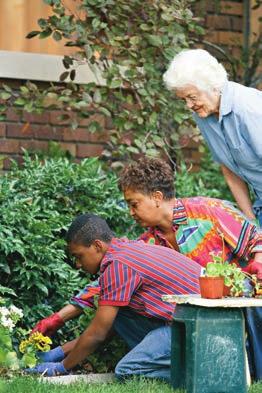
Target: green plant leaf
pixel 32 34
pixel 64 76
pixel 154 40
pixel 57 36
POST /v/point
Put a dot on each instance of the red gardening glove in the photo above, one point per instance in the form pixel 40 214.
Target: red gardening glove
pixel 255 268
pixel 48 326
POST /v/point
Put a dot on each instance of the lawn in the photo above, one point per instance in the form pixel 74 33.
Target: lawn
pixel 29 384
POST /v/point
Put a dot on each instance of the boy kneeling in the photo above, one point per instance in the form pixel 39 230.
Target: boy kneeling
pixel 133 277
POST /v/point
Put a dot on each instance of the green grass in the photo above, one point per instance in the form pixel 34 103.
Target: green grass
pixel 31 385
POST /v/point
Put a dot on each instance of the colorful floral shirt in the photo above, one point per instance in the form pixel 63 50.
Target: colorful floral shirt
pixel 206 225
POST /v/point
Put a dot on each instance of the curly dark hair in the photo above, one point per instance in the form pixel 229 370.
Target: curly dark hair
pixel 148 175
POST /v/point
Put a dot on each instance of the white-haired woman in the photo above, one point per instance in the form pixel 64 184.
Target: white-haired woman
pixel 229 116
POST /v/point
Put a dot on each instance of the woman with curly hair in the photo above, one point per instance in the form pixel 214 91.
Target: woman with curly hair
pixel 196 227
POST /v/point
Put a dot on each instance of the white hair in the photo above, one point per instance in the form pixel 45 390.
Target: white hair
pixel 195 67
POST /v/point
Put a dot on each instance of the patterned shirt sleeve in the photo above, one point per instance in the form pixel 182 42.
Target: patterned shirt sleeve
pixel 118 283
pixel 240 234
pixel 85 298
pixel 147 237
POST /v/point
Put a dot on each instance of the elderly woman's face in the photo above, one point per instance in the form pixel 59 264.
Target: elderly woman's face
pixel 200 101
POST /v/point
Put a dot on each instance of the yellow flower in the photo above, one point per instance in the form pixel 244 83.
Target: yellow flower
pixel 37 341
pixel 23 345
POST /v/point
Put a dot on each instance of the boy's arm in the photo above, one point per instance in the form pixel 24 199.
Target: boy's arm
pixel 93 336
pixel 48 326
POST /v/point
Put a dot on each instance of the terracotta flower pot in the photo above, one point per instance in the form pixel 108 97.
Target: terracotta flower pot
pixel 211 287
pixel 226 290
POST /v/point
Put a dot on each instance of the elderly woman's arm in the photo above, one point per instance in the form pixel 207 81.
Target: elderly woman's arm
pixel 240 192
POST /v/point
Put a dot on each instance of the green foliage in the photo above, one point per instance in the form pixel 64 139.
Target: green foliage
pixel 234 277
pixel 9 316
pixel 208 181
pixel 129 45
pixel 37 203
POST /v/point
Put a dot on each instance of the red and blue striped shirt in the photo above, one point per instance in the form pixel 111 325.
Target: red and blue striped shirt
pixel 136 274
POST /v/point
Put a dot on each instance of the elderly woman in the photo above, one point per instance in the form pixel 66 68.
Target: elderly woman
pixel 229 117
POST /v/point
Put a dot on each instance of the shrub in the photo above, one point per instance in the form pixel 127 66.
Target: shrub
pixel 37 203
pixel 209 181
pixel 9 316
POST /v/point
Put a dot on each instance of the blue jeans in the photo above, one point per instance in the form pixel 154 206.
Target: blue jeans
pixel 150 344
pixel 257 208
pixel 254 322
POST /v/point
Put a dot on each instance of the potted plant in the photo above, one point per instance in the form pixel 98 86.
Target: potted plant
pixel 226 279
pixel 211 281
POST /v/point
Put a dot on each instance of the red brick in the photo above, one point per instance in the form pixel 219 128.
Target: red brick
pixel 83 135
pixel 12 115
pixel 230 7
pixel 225 37
pixel 70 147
pixel 28 130
pixel 36 118
pixel 236 52
pixel 33 145
pixel 237 23
pixel 221 22
pixel 109 123
pixel 7 164
pixel 96 117
pixel 9 146
pixel 2 129
pixel 19 130
pixel 54 117
pixel 208 6
pixel 48 132
pixel 88 150
pixel 224 22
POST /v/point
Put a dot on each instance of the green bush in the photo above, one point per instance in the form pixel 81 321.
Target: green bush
pixel 37 203
pixel 208 181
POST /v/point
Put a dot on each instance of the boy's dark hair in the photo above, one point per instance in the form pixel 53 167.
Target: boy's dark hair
pixel 88 227
pixel 148 175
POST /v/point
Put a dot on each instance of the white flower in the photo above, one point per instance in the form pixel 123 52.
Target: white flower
pixel 9 317
pixel 7 323
pixel 4 311
pixel 17 312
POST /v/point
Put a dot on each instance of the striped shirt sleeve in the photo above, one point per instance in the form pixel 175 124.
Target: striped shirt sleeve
pixel 118 283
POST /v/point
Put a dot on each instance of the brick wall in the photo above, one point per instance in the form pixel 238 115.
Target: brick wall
pixel 224 21
pixel 34 132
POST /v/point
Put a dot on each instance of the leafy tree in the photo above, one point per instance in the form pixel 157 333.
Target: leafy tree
pixel 129 44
